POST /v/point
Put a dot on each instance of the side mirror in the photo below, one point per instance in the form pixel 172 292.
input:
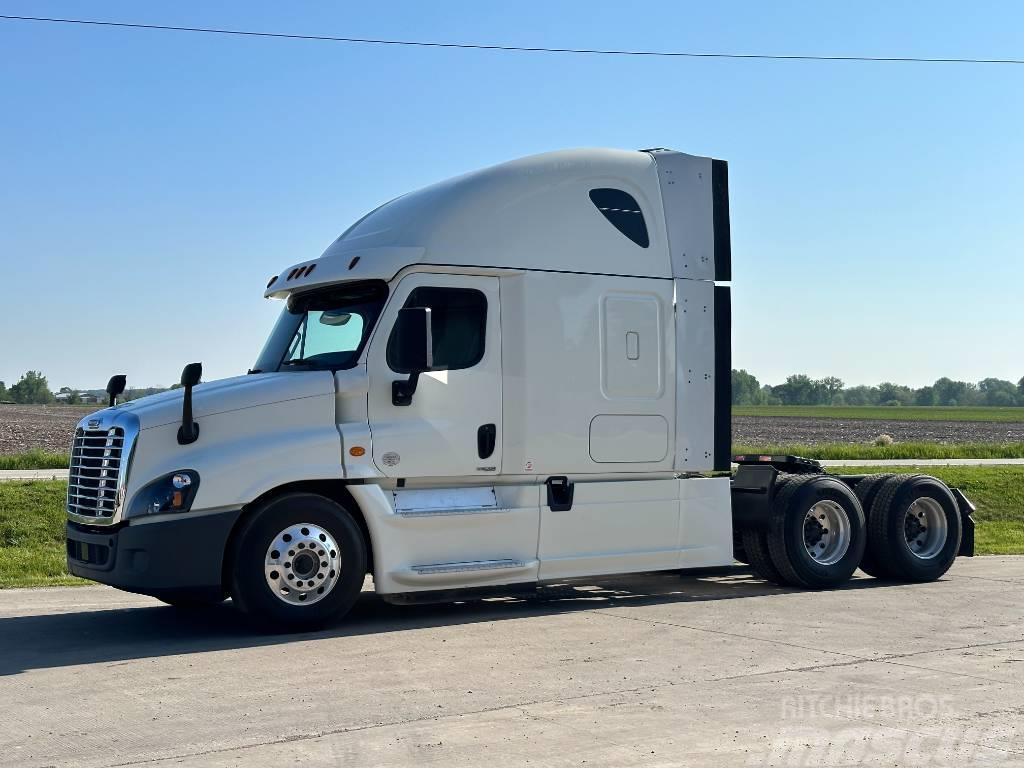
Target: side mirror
pixel 188 432
pixel 413 351
pixel 115 387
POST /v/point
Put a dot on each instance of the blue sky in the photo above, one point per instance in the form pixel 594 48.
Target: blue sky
pixel 151 182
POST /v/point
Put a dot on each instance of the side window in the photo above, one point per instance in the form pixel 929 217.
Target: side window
pixel 458 326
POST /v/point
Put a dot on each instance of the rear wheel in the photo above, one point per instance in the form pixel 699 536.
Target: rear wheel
pixel 755 544
pixel 914 528
pixel 816 534
pixel 867 490
pixel 299 561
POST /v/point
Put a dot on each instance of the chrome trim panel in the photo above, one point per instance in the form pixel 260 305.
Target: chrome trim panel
pixel 114 433
pixel 411 500
pixel 444 512
pixel 475 565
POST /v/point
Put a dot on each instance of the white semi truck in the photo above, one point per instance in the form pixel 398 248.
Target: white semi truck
pixel 516 376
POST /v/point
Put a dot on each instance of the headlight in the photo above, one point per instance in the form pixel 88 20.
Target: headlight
pixel 170 493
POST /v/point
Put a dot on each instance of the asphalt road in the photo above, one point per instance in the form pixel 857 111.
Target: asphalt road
pixel 653 670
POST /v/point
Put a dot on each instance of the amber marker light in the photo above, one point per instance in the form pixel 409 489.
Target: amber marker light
pixel 356 450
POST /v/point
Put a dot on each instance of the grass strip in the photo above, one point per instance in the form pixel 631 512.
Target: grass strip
pixel 32 549
pixel 34 459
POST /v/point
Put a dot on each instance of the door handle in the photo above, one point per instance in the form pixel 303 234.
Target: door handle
pixel 486 436
pixel 560 492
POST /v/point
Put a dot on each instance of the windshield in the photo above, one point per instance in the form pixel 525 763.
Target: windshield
pixel 323 330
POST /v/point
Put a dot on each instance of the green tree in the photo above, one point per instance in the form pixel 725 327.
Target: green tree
pixel 949 392
pixel 831 386
pixel 1020 389
pixel 894 393
pixel 799 389
pixel 3 390
pixel 32 388
pixel 997 392
pixel 746 389
pixel 861 395
pixel 924 396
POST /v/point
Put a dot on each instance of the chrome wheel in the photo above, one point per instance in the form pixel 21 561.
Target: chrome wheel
pixel 303 564
pixel 925 528
pixel 826 532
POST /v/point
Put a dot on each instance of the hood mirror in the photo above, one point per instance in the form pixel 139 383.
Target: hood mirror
pixel 115 387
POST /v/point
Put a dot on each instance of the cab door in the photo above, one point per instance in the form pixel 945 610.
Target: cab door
pixel 452 427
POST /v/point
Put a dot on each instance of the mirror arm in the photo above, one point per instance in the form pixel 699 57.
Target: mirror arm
pixel 402 391
pixel 188 432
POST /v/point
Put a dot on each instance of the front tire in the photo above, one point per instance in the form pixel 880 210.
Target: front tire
pixel 299 561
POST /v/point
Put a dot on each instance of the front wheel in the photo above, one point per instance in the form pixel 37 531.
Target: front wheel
pixel 299 561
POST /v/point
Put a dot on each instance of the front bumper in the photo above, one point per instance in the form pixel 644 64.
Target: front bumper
pixel 173 556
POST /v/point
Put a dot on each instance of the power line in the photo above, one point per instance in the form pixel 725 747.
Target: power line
pixel 516 48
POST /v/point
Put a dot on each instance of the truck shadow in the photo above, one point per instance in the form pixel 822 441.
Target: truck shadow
pixel 120 635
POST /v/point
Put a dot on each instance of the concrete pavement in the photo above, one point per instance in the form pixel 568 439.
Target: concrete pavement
pixel 649 670
pixel 33 474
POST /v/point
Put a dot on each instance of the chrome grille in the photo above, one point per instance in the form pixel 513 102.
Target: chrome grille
pixel 94 479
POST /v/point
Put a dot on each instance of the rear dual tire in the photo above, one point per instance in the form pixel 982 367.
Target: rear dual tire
pixel 755 545
pixel 867 491
pixel 816 534
pixel 914 529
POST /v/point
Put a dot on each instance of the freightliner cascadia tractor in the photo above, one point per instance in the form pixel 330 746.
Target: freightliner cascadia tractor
pixel 514 377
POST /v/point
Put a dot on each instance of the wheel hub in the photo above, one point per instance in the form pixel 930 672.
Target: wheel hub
pixel 925 528
pixel 826 532
pixel 303 564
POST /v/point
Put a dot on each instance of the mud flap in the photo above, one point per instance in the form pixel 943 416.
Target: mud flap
pixel 966 523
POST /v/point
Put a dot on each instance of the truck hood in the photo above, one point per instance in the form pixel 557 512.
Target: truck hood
pixel 209 398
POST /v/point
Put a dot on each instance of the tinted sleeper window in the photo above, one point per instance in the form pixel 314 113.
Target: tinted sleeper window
pixel 623 211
